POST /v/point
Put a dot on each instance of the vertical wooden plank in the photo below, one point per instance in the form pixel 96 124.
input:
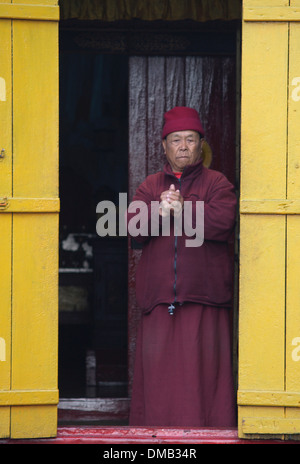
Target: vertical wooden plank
pixel 293 185
pixel 175 81
pixel 34 301
pixel 5 219
pixel 35 235
pixel 262 303
pixel 263 237
pixel 137 171
pixel 261 311
pixel 5 109
pixel 210 88
pixel 293 305
pixel 195 83
pixel 226 118
pixel 5 318
pixel 35 319
pixel 264 110
pixel 156 108
pixel 35 135
pixel 293 222
pixel 138 69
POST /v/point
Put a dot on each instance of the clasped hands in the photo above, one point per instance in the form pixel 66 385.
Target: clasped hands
pixel 171 202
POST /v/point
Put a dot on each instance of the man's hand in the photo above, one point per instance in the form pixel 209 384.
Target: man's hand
pixel 171 202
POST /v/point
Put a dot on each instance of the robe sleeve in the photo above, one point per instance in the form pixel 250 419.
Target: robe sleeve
pixel 220 210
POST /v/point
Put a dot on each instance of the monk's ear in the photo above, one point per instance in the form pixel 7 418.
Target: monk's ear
pixel 164 144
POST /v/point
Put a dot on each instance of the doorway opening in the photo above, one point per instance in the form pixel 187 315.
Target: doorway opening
pixel 115 83
pixel 92 269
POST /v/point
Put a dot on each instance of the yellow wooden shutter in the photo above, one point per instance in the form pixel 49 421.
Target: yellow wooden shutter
pixel 29 208
pixel 269 315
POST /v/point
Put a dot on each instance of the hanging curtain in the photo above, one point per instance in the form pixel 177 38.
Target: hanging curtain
pixel 150 10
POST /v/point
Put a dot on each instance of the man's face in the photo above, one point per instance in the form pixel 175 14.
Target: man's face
pixel 182 148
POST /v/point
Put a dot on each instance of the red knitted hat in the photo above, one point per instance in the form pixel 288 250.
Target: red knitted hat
pixel 181 118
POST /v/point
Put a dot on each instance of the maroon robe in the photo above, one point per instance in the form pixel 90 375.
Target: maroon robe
pixel 183 373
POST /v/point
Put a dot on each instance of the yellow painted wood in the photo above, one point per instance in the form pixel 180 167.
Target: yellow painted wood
pixel 260 412
pixel 270 425
pixel 5 109
pixel 35 235
pixel 293 223
pixel 5 316
pixel 293 413
pixel 293 187
pixel 35 136
pixel 5 221
pixel 33 421
pixel 270 206
pixel 36 2
pixel 263 236
pixel 27 205
pixel 270 221
pixel 30 12
pixel 28 397
pixel 264 110
pixel 261 13
pixel 35 319
pixel 262 303
pixel 293 305
pixel 269 398
pixel 34 326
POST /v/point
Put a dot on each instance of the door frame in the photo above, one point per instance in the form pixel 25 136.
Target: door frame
pixel 229 34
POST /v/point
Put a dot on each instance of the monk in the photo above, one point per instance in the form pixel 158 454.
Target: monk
pixel 183 373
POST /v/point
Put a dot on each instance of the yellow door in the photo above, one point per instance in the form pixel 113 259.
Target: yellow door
pixel 29 208
pixel 269 314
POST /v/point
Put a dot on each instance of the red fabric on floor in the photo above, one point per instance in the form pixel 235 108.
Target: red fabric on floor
pixel 183 368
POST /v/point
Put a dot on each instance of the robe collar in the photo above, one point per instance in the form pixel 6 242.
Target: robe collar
pixel 191 171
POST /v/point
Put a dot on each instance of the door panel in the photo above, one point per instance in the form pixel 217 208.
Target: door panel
pixel 6 109
pixel 29 208
pixel 5 219
pixel 5 316
pixel 35 109
pixel 35 319
pixel 156 84
pixel 269 336
pixel 293 222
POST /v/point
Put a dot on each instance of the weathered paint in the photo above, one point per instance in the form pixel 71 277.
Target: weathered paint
pixel 2 350
pixel 30 11
pixel 5 220
pixel 153 436
pixel 269 369
pixel 29 219
pixel 2 89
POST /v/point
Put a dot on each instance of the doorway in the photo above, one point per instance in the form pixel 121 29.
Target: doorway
pixel 115 85
pixel 92 269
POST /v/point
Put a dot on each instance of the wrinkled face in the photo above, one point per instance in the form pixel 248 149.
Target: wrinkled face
pixel 182 148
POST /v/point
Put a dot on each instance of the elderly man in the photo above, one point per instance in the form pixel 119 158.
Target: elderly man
pixel 183 373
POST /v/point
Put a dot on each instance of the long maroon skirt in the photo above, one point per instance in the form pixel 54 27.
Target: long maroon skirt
pixel 183 368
